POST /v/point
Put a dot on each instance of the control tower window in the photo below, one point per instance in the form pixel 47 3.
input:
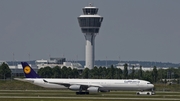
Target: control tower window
pixel 90 22
pixel 90 11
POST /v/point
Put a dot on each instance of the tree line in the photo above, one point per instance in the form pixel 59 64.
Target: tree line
pixel 154 76
pixel 5 72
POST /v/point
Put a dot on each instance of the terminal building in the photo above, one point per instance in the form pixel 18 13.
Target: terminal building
pixel 136 67
pixel 52 62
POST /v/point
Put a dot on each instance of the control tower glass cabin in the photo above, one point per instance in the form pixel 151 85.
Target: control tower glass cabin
pixel 90 22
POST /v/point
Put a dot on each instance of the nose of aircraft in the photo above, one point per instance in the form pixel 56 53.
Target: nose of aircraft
pixel 152 86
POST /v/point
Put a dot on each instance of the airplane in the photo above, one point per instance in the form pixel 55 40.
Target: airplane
pixel 86 86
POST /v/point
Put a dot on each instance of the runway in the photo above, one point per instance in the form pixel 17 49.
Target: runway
pixel 68 95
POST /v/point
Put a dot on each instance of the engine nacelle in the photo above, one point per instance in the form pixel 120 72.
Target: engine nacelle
pixel 93 89
pixel 75 87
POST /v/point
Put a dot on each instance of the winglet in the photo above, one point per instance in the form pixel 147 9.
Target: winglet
pixel 28 71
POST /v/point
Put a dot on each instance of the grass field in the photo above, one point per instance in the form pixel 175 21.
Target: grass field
pixel 22 91
pixel 67 95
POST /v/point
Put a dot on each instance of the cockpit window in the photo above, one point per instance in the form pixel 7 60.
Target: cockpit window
pixel 148 83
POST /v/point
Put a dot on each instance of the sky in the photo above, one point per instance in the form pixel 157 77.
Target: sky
pixel 132 30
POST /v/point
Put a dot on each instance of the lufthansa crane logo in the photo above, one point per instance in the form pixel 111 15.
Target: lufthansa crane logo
pixel 27 69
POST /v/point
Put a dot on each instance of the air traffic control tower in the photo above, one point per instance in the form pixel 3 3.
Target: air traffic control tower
pixel 90 22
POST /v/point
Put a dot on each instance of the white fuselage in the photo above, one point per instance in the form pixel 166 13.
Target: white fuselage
pixel 103 84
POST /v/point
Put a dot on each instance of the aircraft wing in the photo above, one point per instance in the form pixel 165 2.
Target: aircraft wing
pixel 64 84
pixel 84 85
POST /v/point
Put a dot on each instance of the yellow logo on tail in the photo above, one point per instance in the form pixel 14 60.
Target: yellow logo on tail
pixel 27 69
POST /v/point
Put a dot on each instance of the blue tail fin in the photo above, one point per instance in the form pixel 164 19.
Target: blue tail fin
pixel 28 71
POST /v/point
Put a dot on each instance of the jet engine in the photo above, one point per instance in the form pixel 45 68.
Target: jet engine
pixel 75 87
pixel 93 89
